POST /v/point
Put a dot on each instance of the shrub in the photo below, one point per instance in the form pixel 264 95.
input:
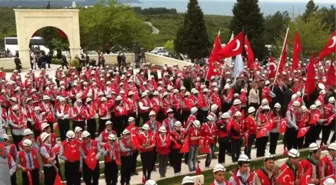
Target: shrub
pixel 75 63
pixel 56 61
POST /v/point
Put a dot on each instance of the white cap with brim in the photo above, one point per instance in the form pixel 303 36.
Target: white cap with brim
pixel 85 134
pixel 44 136
pixel 44 126
pixel 187 180
pixel 152 113
pixel 329 181
pixel 27 142
pixel 293 153
pixel 70 134
pixel 108 122
pixel 130 119
pixel 78 129
pixel 225 115
pixel 125 132
pixel 243 158
pixel 162 129
pixel 218 168
pixel 27 132
pixel 193 110
pixel 313 147
pixel 112 137
pixel 332 146
pixel 145 127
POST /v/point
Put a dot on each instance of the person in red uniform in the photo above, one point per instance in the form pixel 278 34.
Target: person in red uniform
pixel 11 157
pixel 103 136
pixel 112 160
pixel 266 175
pixel 153 123
pixel 326 164
pixel 144 106
pixel 163 141
pixel 219 175
pixel 209 133
pixel 194 134
pixel 311 162
pixel 77 114
pixel 262 122
pixel 91 111
pixel 223 130
pixel 70 152
pixel 62 114
pixel 168 123
pixel 104 114
pixel 236 135
pixel 126 152
pixel 187 104
pixel 48 159
pixel 120 115
pixel 131 106
pixel 250 128
pixel 177 136
pixel 243 173
pixel 328 112
pixel 17 123
pixel 28 161
pixel 290 167
pixel 147 145
pixel 203 105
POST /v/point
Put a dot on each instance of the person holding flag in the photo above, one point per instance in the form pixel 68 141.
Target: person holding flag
pixel 194 134
pixel 236 135
pixel 209 132
pixel 250 129
pixel 327 163
pixel 275 117
pixel 163 142
pixel 262 124
pixel 266 174
pixel 111 155
pixel 177 136
pixel 242 175
pixel 288 172
pixel 48 159
pixel 311 163
pixel 126 152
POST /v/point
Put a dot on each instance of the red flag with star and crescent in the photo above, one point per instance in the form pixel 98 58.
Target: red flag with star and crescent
pixel 262 132
pixel 311 73
pixel 331 75
pixel 234 47
pixel 214 57
pixel 329 48
pixel 305 179
pixel 283 126
pixel 286 177
pixel 302 132
pixel 249 53
pixel 296 51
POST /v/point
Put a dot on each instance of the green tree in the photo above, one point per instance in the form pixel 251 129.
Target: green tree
pixel 169 46
pixel 328 16
pixel 274 25
pixel 192 39
pixel 311 8
pixel 247 18
pixel 52 39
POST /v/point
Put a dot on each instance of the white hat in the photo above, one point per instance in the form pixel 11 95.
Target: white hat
pixel 323 92
pixel 187 180
pixel 251 110
pixel 321 86
pixel 125 132
pixel 265 107
pixel 85 134
pixel 193 110
pixel 313 147
pixel 236 102
pixel 218 168
pixel 329 181
pixel 27 132
pixel 150 182
pixel 296 103
pixel 313 107
pixel 78 129
pixel 15 107
pixel 108 122
pixel 210 118
pixel 44 125
pixel 70 134
pixel 162 129
pixel 155 93
pixel 238 113
pixel 5 136
pixel 183 88
pixel 294 96
pixel 165 94
pixel 100 93
pixel 264 101
pixel 215 89
pixel 269 156
pixel 267 82
pixel 304 108
pixel 118 98
pixel 277 105
pixel 243 158
pixel 145 127
pixel 187 93
pixel 176 91
pixel 130 119
pixel 213 107
pixel 205 90
pixel 293 153
pixel 332 146
pixel 197 124
pixel 226 86
pixel 144 94
pixel 102 99
pixel 331 100
pixel 318 103
pixel 152 113
pixel 170 110
pixel 298 94
pixel 225 115
pixel 27 142
pixel 44 136
pixel 45 97
pixel 37 108
pixel 177 124
pixel 112 137
pixel 61 98
pixel 88 100
pixel 130 93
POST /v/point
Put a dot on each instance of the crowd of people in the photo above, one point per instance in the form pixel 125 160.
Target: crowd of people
pixel 116 114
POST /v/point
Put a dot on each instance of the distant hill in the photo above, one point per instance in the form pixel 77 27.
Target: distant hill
pixel 60 3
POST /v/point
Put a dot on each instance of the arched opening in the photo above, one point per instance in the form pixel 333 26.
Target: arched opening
pixel 48 45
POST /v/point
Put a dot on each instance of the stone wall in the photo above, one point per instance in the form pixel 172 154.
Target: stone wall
pixel 7 63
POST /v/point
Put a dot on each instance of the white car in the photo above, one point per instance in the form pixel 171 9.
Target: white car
pixel 160 51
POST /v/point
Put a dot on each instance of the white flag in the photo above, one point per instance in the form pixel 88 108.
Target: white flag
pixel 238 66
pixel 228 61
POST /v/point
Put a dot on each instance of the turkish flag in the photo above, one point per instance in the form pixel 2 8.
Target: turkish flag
pixel 58 180
pixel 285 177
pixel 302 132
pixel 325 178
pixel 329 48
pixel 185 146
pixel 296 51
pixel 216 48
pixel 135 141
pixel 91 160
pixel 305 179
pixel 204 146
pixel 316 115
pixel 211 70
pixel 262 132
pixel 51 117
pixel 198 170
pixel 272 68
pixel 331 76
pixel 283 126
pixel 143 180
pixel 330 119
pixel 249 53
pixel 56 149
pixel 283 54
pixel 311 81
pixel 234 47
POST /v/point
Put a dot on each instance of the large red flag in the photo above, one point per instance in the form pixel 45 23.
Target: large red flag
pixel 185 146
pixel 302 132
pixel 305 179
pixel 249 53
pixel 198 169
pixel 216 48
pixel 283 56
pixel 234 47
pixel 262 132
pixel 331 76
pixel 311 81
pixel 286 177
pixel 329 48
pixel 296 51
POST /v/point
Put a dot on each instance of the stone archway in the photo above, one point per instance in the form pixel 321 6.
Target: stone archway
pixel 28 21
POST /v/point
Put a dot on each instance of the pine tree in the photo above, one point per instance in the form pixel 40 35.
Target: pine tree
pixel 311 8
pixel 192 39
pixel 247 18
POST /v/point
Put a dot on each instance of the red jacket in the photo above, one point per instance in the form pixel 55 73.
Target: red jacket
pixel 115 151
pixel 190 120
pixel 194 132
pixel 154 127
pixel 167 125
pixel 34 155
pixel 305 165
pixel 50 152
pixel 120 110
pixel 163 144
pixel 216 100
pixel 326 167
pixel 131 106
pixel 210 132
pixel 223 129
pixel 71 149
pixel 249 180
pixel 188 103
pixel 177 138
pixel 236 129
pixel 146 140
pixel 93 147
pixel 264 178
pixel 250 125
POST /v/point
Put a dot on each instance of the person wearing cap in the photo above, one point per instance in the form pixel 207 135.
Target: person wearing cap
pixel 78 134
pixel 168 123
pixel 177 138
pixel 71 152
pixel 292 126
pixel 37 118
pixel 132 106
pixel 194 134
pixel 203 105
pixel 327 163
pixel 311 162
pixel 103 113
pixel 45 128
pixel 242 175
pixel 47 108
pixel 236 135
pixel 120 115
pixel 28 134
pixel 78 114
pixel 144 107
pixel 48 159
pixel 219 175
pixel 191 118
pixel 111 153
pixel 275 116
pixel 177 104
pixel 126 155
pixel 28 160
pixel 163 142
pixel 254 96
pixel 11 157
pixel 267 173
pixel 223 129
pixel 62 114
pixel 187 104
pixel 187 180
pixel 209 132
pixel 236 106
pixel 263 121
pixel 328 110
pixel 315 122
pixel 17 123
pixel 103 136
pixel 147 144
pixel 90 118
pixel 88 146
pixel 250 129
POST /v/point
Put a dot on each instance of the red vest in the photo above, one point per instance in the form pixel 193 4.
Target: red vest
pixel 145 102
pixel 160 147
pixel 34 155
pixel 326 168
pixel 194 132
pixel 263 177
pixel 235 129
pixel 223 130
pixel 9 159
pixel 176 137
pixel 71 150
pixel 93 147
pixel 105 134
pixel 120 110
pixel 146 141
pixel 208 131
pixel 50 152
pixel 116 152
pixel 249 180
pixel 17 119
pixel 250 125
pixel 126 145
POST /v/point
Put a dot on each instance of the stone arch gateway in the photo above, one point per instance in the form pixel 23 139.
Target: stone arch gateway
pixel 28 21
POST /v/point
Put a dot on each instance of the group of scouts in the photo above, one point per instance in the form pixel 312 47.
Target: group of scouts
pixel 117 115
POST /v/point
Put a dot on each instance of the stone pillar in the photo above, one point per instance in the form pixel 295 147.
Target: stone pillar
pixel 75 51
pixel 24 56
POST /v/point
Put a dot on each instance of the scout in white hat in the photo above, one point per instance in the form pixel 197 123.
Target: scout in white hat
pixel 268 167
pixel 219 174
pixel 187 180
pixel 327 161
pixel 243 171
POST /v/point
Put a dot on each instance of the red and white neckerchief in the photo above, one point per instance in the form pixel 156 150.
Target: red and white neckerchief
pixel 210 128
pixel 163 140
pixel 112 151
pixel 196 131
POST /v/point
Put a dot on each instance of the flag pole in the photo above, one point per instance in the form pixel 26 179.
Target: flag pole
pixel 277 71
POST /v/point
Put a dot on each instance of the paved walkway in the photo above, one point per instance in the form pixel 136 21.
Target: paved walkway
pixel 154 29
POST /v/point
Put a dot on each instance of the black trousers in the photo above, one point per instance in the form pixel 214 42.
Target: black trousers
pixel 144 116
pixel 72 174
pixel 160 116
pixel 13 179
pixel 325 133
pixel 16 140
pixel 261 146
pixel 235 149
pixel 291 135
pixel 185 115
pixel 147 166
pixel 224 145
pixel 80 124
pixel 134 162
pixel 274 142
pixel 250 142
pixel 102 125
pixel 90 177
pixel 64 126
pixel 119 124
pixel 91 127
pixel 35 174
pixel 49 175
pixel 111 173
pixel 177 156
pixel 201 115
pixel 300 142
pixel 126 169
